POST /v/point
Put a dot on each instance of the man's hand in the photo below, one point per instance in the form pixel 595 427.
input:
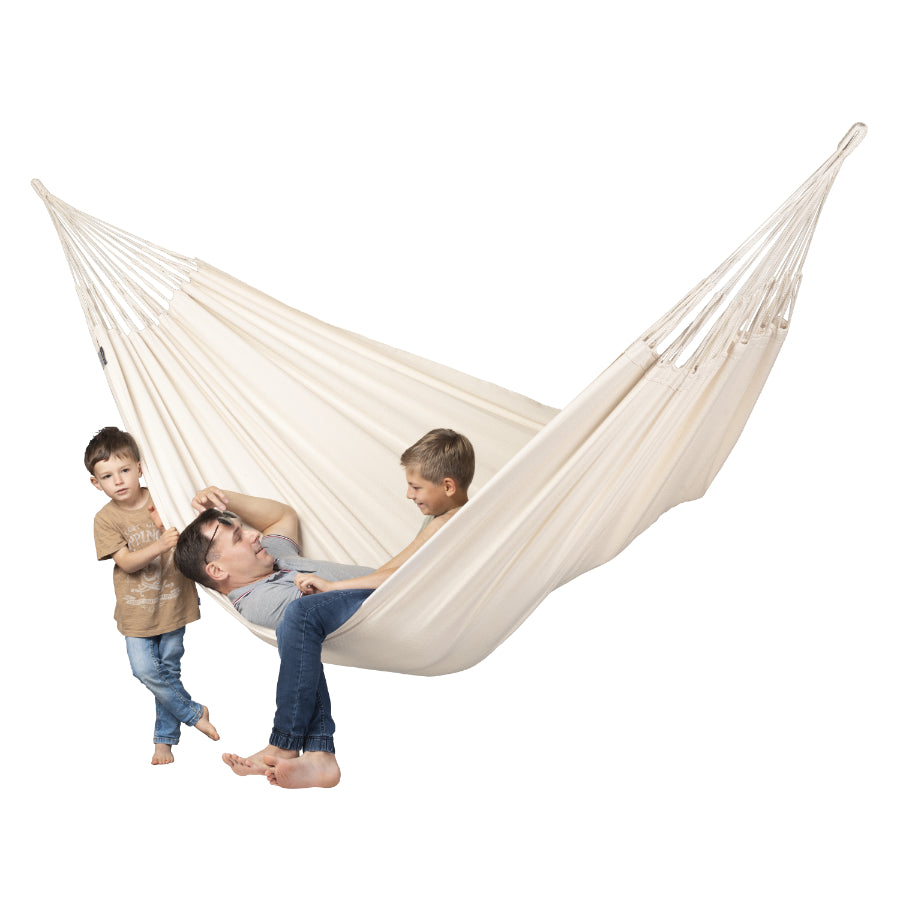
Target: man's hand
pixel 266 516
pixel 210 498
pixel 312 584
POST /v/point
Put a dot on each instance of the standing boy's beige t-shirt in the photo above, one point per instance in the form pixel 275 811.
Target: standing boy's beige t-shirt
pixel 156 599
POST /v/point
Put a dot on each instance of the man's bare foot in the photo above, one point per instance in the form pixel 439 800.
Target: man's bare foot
pixel 313 769
pixel 206 726
pixel 254 765
pixel 162 755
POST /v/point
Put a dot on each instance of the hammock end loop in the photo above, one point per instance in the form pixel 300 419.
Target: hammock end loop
pixel 852 139
pixel 42 192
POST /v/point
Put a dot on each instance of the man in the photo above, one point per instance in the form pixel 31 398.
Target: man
pixel 248 548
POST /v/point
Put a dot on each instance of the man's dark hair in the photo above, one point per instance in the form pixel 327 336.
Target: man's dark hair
pixel 193 547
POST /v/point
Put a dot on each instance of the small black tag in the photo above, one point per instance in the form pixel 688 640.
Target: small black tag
pixel 102 356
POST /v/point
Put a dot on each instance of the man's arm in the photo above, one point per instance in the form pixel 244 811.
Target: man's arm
pixel 313 584
pixel 267 516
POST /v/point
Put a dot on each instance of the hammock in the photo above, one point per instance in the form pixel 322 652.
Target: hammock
pixel 222 384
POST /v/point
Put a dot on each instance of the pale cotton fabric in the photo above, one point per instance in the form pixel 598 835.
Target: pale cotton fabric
pixel 222 384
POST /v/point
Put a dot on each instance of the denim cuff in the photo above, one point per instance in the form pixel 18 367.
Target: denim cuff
pixel 196 719
pixel 318 743
pixel 304 743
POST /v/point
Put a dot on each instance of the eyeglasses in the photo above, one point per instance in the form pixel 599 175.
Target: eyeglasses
pixel 223 518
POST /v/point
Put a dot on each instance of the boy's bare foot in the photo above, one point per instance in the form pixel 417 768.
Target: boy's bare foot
pixel 162 755
pixel 254 765
pixel 313 769
pixel 206 726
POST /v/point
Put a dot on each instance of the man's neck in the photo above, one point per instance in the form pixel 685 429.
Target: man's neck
pixel 236 584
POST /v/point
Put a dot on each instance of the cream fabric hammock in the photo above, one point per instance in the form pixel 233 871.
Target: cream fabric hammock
pixel 222 384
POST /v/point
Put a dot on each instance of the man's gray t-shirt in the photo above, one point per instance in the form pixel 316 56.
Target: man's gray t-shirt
pixel 264 602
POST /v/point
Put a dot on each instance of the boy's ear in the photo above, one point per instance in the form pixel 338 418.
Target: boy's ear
pixel 96 483
pixel 449 485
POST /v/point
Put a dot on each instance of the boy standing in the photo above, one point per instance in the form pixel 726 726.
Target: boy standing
pixel 232 545
pixel 154 602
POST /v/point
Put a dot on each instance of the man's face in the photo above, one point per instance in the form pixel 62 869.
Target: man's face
pixel 236 551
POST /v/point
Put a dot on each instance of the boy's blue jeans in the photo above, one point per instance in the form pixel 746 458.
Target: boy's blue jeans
pixel 156 663
pixel 303 708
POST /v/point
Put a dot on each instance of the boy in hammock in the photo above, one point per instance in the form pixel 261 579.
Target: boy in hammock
pixel 230 547
pixel 154 602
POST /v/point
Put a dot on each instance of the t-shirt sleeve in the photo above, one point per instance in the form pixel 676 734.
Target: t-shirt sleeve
pixel 108 539
pixel 279 545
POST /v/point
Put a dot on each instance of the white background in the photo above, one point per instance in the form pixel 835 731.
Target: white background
pixel 515 189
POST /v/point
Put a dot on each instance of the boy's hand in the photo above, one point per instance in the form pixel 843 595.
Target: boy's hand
pixel 311 584
pixel 169 539
pixel 209 498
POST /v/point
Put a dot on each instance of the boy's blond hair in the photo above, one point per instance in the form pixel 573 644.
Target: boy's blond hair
pixel 442 453
pixel 107 442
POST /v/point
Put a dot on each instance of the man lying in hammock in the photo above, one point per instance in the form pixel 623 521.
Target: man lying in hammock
pixel 247 547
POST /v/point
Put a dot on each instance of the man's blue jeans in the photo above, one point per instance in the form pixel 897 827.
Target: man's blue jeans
pixel 303 708
pixel 156 663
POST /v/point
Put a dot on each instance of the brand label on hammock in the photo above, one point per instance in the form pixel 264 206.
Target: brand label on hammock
pixel 102 356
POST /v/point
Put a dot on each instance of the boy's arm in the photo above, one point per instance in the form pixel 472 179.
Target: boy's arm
pixel 132 560
pixel 267 516
pixel 313 584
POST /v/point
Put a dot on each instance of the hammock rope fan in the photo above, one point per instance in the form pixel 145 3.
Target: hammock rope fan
pixel 222 384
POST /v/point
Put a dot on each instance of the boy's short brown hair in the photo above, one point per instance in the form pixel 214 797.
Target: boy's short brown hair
pixel 442 453
pixel 107 442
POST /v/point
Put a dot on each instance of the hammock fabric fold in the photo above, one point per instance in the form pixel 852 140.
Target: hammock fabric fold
pixel 222 384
